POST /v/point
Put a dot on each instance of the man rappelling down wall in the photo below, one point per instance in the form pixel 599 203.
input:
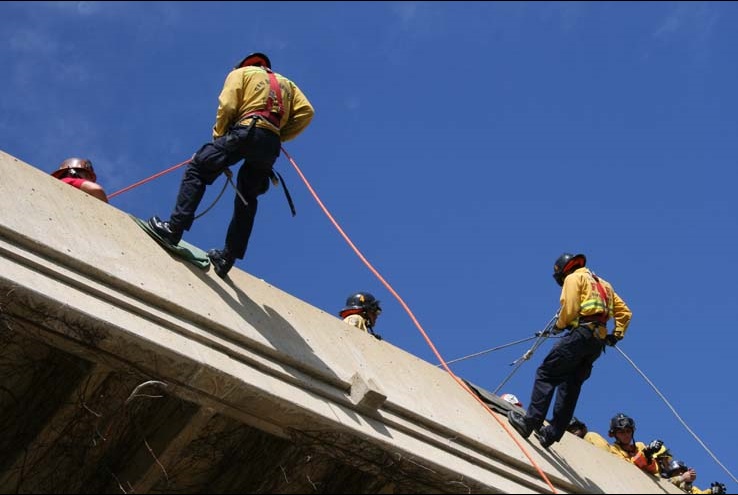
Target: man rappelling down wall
pixel 258 110
pixel 587 302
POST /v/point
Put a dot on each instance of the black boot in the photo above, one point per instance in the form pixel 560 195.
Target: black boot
pixel 546 436
pixel 165 230
pixel 519 422
pixel 222 261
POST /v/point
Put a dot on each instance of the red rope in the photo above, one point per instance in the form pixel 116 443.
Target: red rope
pixel 148 179
pixel 415 320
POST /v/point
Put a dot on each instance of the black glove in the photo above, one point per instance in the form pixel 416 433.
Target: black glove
pixel 611 340
pixel 652 448
pixel 717 488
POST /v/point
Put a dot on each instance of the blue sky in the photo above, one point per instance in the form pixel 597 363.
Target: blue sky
pixel 463 147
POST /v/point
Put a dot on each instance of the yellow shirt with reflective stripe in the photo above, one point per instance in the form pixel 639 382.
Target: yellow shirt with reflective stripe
pixel 580 297
pixel 247 89
pixel 638 458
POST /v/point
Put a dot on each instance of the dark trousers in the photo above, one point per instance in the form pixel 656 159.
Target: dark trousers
pixel 567 366
pixel 259 148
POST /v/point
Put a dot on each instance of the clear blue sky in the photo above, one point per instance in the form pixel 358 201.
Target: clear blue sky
pixel 463 147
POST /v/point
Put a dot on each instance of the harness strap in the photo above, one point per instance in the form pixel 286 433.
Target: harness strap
pixel 274 176
pixel 603 295
pixel 275 96
pixel 284 188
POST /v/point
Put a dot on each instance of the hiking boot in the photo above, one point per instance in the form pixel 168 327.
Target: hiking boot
pixel 545 436
pixel 222 261
pixel 165 230
pixel 518 422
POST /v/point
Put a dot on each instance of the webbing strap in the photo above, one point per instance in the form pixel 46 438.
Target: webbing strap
pixel 286 191
pixel 603 295
pixel 274 175
pixel 275 94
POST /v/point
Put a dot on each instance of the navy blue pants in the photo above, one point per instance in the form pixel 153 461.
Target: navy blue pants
pixel 259 149
pixel 567 366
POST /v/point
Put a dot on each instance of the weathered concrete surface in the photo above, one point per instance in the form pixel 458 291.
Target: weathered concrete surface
pixel 113 378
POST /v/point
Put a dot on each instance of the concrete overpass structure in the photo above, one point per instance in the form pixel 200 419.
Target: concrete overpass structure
pixel 114 379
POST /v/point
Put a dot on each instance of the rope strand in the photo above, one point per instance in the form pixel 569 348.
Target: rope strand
pixel 675 413
pixel 489 350
pixel 149 179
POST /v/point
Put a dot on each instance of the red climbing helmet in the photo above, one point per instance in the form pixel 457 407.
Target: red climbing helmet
pixel 72 166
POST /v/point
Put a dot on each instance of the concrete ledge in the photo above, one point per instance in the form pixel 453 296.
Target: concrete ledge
pixel 70 276
pixel 365 393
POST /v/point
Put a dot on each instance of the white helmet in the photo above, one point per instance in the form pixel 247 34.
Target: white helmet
pixel 511 399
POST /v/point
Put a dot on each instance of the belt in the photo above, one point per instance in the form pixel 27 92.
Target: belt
pixel 594 326
pixel 600 318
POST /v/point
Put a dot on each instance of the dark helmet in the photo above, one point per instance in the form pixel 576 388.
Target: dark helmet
pixel 362 301
pixel 675 467
pixel 566 264
pixel 620 421
pixel 256 58
pixel 575 424
pixel 71 166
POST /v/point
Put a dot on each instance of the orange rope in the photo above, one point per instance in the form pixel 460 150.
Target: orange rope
pixel 148 179
pixel 386 284
pixel 415 320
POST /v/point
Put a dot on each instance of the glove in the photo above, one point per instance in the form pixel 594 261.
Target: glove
pixel 652 448
pixel 611 340
pixel 717 487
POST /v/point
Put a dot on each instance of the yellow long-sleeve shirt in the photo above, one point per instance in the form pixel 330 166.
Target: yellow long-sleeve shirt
pixel 597 440
pixel 686 486
pixel 358 321
pixel 580 297
pixel 247 89
pixel 636 456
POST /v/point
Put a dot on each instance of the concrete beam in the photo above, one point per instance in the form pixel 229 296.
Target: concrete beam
pixel 255 353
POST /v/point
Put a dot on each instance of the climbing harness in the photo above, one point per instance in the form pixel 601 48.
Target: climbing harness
pixel 599 307
pixel 275 97
pixel 274 119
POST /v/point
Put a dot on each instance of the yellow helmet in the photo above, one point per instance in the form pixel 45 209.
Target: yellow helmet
pixel 663 452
